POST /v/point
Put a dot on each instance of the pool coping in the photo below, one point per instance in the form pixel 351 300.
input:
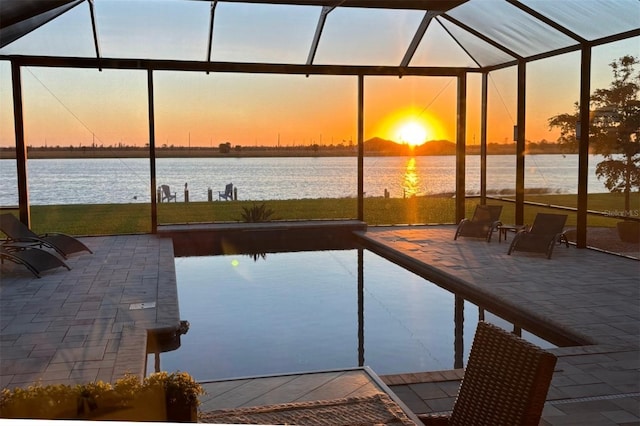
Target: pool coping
pixel 564 292
pixel 549 330
pixel 281 235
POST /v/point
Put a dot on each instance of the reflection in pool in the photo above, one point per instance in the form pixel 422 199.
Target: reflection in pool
pixel 304 311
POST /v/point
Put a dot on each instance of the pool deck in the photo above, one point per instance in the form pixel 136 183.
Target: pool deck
pixel 587 293
pixel 91 323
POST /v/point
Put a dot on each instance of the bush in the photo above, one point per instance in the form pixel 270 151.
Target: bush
pixel 152 399
pixel 257 213
pixel 180 388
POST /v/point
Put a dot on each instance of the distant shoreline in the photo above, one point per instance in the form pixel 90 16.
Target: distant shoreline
pixel 53 153
pixel 248 152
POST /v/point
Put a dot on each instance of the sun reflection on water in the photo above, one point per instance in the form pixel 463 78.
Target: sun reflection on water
pixel 411 183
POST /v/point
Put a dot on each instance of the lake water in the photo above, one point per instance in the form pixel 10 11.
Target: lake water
pixel 304 311
pixel 126 180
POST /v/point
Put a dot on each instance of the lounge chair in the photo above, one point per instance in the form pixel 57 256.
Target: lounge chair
pixel 18 232
pixel 33 258
pixel 546 231
pixel 167 195
pixel 505 382
pixel 485 220
pixel 228 192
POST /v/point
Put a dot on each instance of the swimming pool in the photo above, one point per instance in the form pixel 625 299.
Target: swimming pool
pixel 275 313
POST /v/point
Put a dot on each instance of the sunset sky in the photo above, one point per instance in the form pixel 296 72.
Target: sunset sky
pixel 79 107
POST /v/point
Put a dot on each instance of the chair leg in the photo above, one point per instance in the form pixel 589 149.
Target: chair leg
pixel 459 229
pixel 492 229
pixel 563 239
pixel 490 233
pixel 513 244
pixel 552 244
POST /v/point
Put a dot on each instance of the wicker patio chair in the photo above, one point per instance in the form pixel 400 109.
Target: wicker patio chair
pixel 485 220
pixel 505 382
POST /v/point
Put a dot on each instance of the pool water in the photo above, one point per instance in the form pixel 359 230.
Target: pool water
pixel 303 311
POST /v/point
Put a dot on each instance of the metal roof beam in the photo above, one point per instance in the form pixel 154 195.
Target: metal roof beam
pixel 232 67
pixel 546 20
pixel 94 26
pixel 371 4
pixel 17 11
pixel 20 18
pixel 417 38
pixel 211 20
pixel 616 37
pixel 316 38
pixel 537 57
pixel 603 40
pixel 460 44
pixel 480 36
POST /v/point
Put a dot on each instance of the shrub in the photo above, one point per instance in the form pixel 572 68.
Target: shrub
pixel 127 399
pixel 179 388
pixel 257 213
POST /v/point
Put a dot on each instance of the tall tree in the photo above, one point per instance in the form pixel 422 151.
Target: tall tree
pixel 567 123
pixel 614 129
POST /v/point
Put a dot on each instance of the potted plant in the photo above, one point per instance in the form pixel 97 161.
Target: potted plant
pixel 85 401
pixel 39 402
pixel 180 392
pixel 160 397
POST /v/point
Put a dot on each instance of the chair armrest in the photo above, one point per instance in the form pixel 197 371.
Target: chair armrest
pixel 53 234
pixel 25 240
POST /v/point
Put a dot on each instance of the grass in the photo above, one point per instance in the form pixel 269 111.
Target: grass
pixel 602 202
pixel 112 219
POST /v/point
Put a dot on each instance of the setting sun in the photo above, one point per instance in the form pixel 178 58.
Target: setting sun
pixel 409 126
pixel 412 133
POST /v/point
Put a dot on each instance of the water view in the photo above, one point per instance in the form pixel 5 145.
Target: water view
pixel 288 312
pixel 126 180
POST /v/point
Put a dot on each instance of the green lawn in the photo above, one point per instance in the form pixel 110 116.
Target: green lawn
pixel 110 219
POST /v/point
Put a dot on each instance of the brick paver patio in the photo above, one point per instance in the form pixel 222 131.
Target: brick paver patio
pixel 79 326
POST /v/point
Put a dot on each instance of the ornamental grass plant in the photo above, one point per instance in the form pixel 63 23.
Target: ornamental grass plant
pixel 154 398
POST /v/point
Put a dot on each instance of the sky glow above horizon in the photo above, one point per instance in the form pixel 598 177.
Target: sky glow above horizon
pixel 76 107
